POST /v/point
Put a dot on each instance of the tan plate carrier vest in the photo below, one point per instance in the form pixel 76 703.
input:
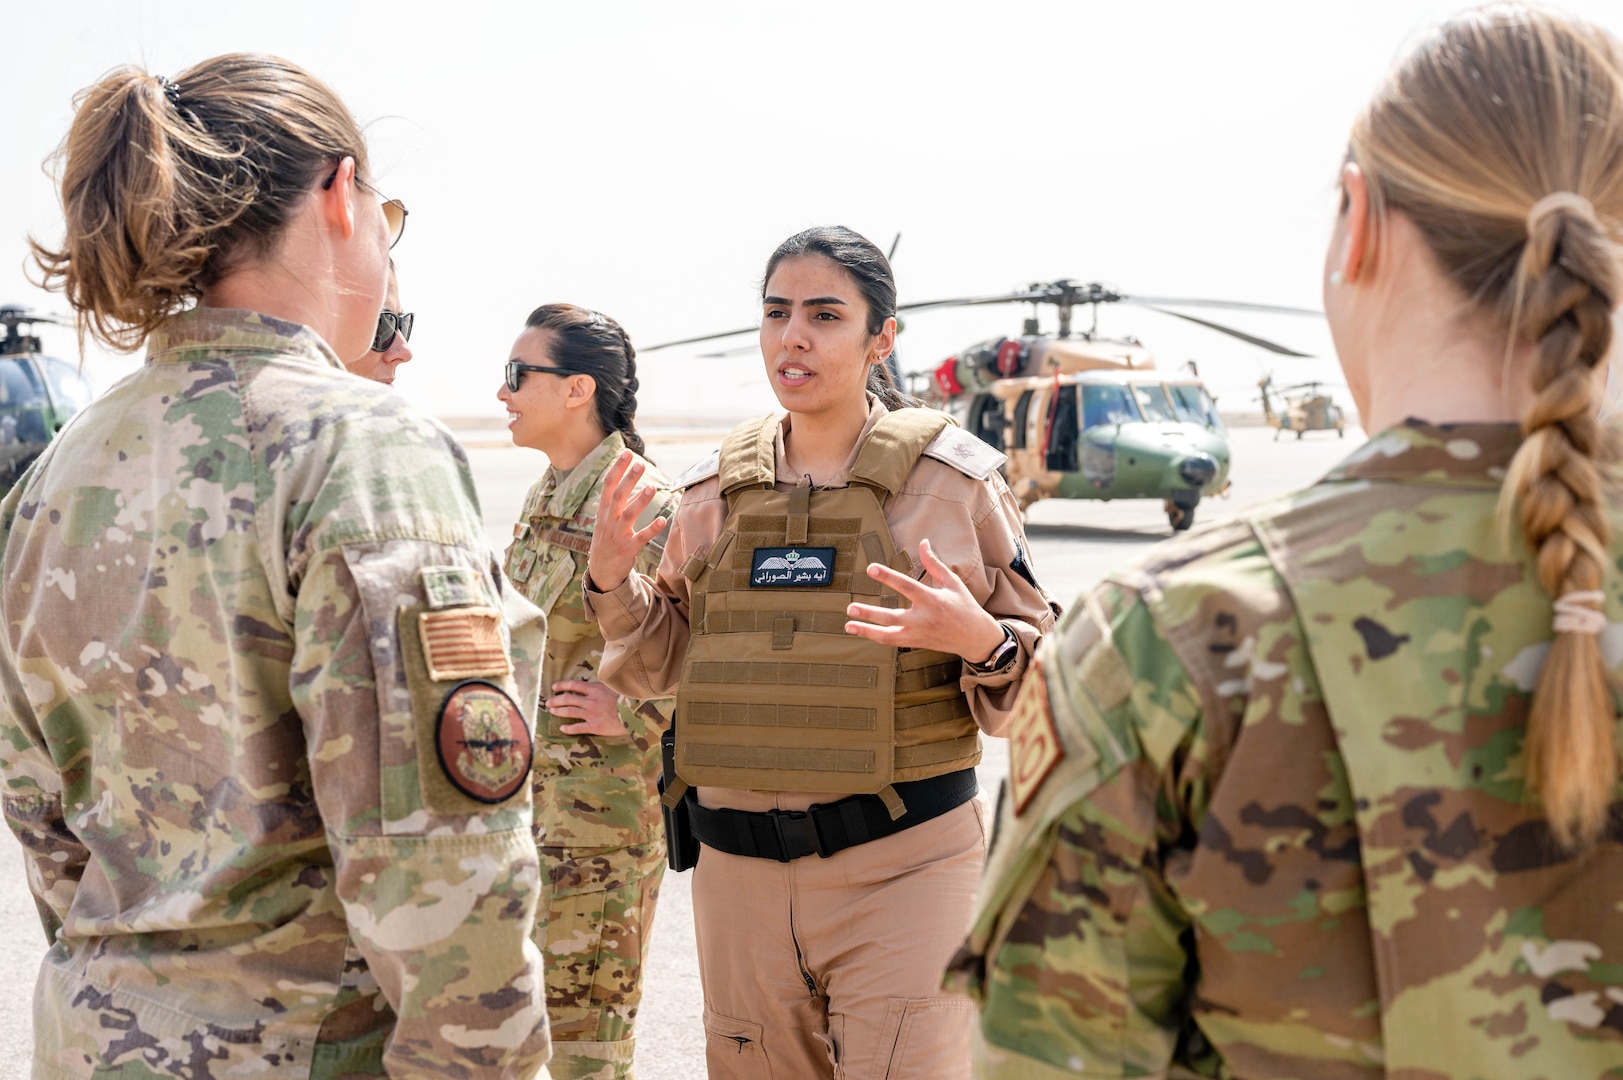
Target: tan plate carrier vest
pixel 775 695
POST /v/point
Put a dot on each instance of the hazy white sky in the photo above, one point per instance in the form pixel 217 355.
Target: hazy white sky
pixel 645 158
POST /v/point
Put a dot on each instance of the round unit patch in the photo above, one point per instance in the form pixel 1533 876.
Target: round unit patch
pixel 484 745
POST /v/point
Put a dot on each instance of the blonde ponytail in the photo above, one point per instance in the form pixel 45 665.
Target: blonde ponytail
pixel 1567 278
pixel 166 184
pixel 1501 138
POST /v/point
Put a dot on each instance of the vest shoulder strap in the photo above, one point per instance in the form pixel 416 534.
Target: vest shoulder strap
pixel 894 444
pixel 748 456
pixel 699 472
pixel 972 457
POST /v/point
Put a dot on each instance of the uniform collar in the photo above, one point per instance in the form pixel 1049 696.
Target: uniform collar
pixel 786 475
pixel 1417 452
pixel 232 329
pixel 565 492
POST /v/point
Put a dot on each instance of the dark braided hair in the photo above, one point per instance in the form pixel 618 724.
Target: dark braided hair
pixel 871 271
pixel 590 343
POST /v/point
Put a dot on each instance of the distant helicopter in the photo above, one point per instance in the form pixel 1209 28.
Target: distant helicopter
pixel 1307 408
pixel 39 394
pixel 1085 417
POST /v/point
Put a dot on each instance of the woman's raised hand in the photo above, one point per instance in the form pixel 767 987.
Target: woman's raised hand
pixel 946 618
pixel 616 540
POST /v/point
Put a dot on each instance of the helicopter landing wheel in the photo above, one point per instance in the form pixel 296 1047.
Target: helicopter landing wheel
pixel 1181 510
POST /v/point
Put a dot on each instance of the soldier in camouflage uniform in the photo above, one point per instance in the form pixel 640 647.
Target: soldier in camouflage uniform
pixel 597 819
pixel 1332 790
pixel 265 734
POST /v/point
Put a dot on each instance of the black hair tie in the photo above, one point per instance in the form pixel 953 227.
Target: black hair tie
pixel 170 90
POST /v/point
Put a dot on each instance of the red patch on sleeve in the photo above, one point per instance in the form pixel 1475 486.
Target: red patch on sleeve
pixel 483 742
pixel 1034 746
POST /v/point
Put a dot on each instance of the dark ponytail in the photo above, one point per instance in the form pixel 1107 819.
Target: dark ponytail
pixel 591 343
pixel 871 271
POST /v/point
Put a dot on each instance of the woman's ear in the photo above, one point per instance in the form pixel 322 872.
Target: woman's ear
pixel 582 389
pixel 1356 229
pixel 884 342
pixel 338 199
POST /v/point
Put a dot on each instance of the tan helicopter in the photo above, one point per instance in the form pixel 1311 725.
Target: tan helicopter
pixel 1084 417
pixel 1307 408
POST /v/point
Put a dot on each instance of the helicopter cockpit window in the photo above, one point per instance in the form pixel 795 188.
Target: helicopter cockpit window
pixel 1153 400
pixel 71 389
pixel 1022 410
pixel 987 421
pixel 1106 405
pixel 1195 405
pixel 20 386
pixel 22 404
pixel 1062 433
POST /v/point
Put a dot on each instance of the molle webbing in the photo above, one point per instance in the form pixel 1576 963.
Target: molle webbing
pixel 775 695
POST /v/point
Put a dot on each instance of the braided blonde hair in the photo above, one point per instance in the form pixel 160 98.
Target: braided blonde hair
pixel 1501 137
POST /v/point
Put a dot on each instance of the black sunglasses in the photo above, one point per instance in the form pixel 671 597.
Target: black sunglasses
pixel 389 322
pixel 516 370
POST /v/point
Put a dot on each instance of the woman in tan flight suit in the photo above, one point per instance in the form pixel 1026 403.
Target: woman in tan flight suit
pixel 830 732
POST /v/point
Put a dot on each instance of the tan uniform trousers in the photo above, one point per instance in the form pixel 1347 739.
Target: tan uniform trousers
pixel 832 967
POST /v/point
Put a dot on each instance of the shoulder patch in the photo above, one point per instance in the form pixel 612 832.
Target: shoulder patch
pixel 1034 744
pixel 483 743
pixel 451 586
pixel 964 452
pixel 463 643
pixel 699 472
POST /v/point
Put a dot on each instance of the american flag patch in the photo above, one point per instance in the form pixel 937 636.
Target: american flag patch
pixel 464 643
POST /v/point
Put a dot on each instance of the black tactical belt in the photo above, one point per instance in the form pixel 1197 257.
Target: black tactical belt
pixel 826 828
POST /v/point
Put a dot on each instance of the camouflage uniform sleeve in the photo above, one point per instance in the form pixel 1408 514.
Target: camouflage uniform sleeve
pixel 53 857
pixel 1075 954
pixel 435 867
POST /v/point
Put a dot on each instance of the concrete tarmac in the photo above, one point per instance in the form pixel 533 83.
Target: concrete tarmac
pixel 1073 544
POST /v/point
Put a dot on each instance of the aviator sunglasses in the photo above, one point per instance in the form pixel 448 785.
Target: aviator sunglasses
pixel 394 211
pixel 516 370
pixel 390 322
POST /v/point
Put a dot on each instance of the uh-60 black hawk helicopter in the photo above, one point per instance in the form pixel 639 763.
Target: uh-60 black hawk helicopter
pixel 39 394
pixel 1082 416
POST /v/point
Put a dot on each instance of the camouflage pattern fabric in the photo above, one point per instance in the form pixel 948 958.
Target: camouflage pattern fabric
pixel 597 922
pixel 1267 813
pixel 217 742
pixel 597 819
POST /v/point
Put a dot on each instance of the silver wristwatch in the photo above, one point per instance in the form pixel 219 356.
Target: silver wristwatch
pixel 1001 657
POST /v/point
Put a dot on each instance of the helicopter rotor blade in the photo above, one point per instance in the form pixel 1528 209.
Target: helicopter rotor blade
pixel 13 315
pixel 1227 305
pixel 1068 294
pixel 722 354
pixel 700 338
pixel 1261 343
pixel 1024 297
